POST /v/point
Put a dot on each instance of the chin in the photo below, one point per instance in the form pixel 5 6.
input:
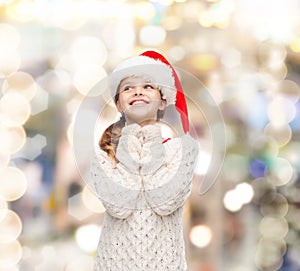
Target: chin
pixel 139 114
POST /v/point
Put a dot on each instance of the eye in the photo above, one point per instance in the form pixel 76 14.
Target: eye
pixel 149 86
pixel 127 88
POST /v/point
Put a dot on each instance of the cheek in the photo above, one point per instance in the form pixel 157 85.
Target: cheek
pixel 121 105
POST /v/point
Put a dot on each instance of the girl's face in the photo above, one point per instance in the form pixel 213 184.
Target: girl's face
pixel 139 100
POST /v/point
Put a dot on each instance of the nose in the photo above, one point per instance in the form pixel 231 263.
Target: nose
pixel 138 91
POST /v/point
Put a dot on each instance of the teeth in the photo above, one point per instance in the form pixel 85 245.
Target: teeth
pixel 138 102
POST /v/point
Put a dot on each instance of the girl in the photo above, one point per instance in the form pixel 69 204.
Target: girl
pixel 143 181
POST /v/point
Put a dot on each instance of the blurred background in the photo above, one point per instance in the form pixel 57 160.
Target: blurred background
pixel 247 53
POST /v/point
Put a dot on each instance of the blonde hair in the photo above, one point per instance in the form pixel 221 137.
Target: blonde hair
pixel 110 137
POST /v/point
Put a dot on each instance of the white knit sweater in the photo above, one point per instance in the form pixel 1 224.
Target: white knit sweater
pixel 143 195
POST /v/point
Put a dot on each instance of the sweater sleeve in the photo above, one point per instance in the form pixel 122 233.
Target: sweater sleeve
pixel 104 180
pixel 172 183
pixel 129 147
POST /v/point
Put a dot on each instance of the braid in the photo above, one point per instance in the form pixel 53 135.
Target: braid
pixel 110 138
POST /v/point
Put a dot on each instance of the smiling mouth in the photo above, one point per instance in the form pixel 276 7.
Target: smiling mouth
pixel 138 102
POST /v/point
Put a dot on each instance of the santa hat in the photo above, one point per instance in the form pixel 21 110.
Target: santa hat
pixel 155 67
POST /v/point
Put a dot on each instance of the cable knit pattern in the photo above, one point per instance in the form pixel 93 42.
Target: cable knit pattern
pixel 143 195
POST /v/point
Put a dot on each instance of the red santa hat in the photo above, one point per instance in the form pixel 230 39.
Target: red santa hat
pixel 155 67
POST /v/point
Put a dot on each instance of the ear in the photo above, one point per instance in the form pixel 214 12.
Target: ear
pixel 162 105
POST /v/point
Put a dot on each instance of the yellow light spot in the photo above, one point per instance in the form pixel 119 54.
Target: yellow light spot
pixel 22 11
pixel 205 62
pixel 295 45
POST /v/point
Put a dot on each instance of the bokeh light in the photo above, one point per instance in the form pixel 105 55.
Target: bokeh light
pixel 290 152
pixel 39 103
pixel 9 37
pixel 10 227
pixel 295 45
pixel 77 208
pixel 246 192
pixel 87 237
pixel 205 62
pixel 4 159
pixel 20 82
pixel 3 209
pixel 282 170
pixel 85 79
pixel 289 89
pixel 201 236
pixel 12 139
pixel 33 147
pixel 14 109
pixel 9 62
pixel 269 254
pixel 152 35
pixel 11 254
pixel 278 206
pixel 204 159
pixel 87 50
pixel 144 10
pixel 281 111
pixel 273 227
pixel 234 199
pixel 23 10
pixel 13 183
pixel 258 168
pixel 55 53
pixel 91 201
pixel 282 134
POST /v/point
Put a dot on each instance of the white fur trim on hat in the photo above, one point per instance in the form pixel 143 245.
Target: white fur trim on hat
pixel 158 72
